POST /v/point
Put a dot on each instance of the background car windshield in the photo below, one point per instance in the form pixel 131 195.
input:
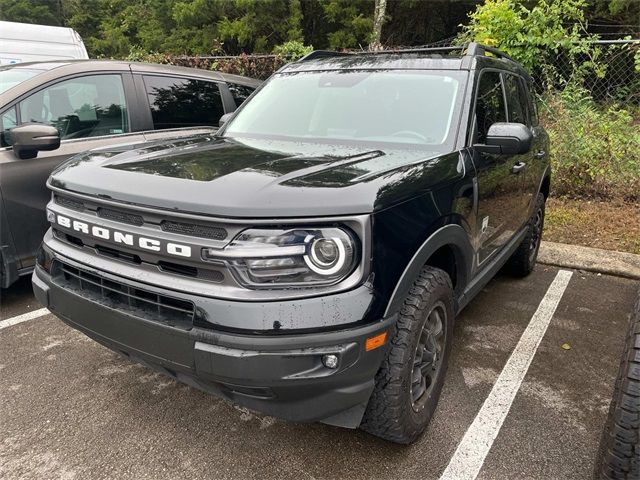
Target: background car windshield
pixel 380 107
pixel 10 77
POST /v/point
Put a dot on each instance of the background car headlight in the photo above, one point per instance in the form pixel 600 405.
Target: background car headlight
pixel 296 257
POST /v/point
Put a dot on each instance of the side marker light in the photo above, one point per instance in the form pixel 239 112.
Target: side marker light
pixel 374 342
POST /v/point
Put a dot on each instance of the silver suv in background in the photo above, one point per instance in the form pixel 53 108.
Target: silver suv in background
pixel 50 111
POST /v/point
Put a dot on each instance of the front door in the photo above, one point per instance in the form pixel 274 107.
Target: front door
pixel 500 182
pixel 89 112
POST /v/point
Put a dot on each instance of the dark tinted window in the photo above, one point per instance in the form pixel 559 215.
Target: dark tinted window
pixel 489 104
pixel 179 102
pixel 81 107
pixel 240 92
pixel 516 99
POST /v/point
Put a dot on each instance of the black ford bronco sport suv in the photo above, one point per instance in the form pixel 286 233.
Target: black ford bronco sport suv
pixel 309 259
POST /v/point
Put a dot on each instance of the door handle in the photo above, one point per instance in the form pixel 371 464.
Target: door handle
pixel 518 167
pixel 540 154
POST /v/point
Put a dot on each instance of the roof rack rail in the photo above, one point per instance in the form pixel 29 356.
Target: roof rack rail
pixel 479 50
pixel 322 54
pixel 471 49
pixel 454 48
pixel 328 53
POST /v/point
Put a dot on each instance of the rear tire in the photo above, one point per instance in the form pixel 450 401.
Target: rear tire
pixel 410 379
pixel 620 445
pixel 523 260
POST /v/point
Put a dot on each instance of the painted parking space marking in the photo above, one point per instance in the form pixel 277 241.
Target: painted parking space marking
pixel 32 315
pixel 469 457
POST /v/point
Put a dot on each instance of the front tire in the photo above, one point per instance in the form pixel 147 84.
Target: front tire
pixel 523 260
pixel 410 379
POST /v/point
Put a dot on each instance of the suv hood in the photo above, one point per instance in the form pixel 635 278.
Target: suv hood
pixel 255 177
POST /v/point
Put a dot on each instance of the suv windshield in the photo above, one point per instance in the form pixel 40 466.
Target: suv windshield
pixel 378 107
pixel 10 76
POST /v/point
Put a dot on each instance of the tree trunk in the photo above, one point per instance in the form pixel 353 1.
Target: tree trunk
pixel 378 20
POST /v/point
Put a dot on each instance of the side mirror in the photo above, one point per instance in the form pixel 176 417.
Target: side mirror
pixel 30 138
pixel 224 119
pixel 506 138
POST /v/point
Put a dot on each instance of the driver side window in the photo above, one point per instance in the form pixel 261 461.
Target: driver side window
pixel 81 107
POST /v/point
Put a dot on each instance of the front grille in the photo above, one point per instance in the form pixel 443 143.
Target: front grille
pixel 68 238
pixel 118 254
pixel 122 217
pixel 194 230
pixel 211 275
pixel 215 276
pixel 69 203
pixel 186 270
pixel 139 302
pixel 190 271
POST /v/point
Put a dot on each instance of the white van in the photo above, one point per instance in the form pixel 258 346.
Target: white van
pixel 25 42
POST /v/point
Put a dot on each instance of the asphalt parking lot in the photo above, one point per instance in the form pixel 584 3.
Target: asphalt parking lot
pixel 70 408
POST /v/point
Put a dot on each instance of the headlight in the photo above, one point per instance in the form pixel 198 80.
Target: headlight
pixel 268 258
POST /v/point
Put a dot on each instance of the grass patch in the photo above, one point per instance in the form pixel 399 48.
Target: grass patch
pixel 607 225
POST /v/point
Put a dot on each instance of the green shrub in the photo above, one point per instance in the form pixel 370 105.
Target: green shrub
pixel 595 150
pixel 536 36
pixel 292 50
pixel 138 54
pixel 255 66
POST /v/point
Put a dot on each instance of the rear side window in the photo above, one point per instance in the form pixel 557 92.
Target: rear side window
pixel 490 107
pixel 516 99
pixel 240 92
pixel 180 102
pixel 82 107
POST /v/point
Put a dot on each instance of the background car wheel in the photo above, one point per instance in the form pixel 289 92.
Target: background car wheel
pixel 620 445
pixel 524 258
pixel 410 378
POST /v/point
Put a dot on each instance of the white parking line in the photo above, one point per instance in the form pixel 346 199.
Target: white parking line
pixel 23 318
pixel 476 443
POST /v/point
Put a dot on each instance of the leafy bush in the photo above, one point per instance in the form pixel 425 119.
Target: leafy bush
pixel 595 146
pixel 595 150
pixel 255 66
pixel 137 54
pixel 292 50
pixel 537 36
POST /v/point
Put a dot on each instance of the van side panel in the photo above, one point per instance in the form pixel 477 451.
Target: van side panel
pixel 22 42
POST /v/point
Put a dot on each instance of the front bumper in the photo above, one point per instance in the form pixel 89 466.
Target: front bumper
pixel 279 375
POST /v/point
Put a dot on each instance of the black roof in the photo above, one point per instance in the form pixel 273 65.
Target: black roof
pixel 463 57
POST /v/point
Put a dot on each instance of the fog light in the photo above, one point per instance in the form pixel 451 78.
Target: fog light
pixel 330 361
pixel 51 217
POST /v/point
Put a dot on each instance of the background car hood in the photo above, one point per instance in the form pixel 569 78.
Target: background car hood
pixel 255 177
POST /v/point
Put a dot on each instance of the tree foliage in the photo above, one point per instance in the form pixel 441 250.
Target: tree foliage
pixel 533 36
pixel 117 28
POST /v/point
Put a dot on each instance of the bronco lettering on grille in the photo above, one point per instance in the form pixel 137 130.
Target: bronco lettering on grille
pixel 124 238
